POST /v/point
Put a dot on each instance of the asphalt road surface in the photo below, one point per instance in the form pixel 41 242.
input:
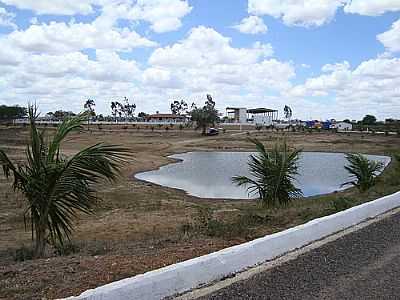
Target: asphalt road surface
pixel 361 265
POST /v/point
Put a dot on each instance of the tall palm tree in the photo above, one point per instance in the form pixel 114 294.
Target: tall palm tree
pixel 57 187
pixel 272 174
pixel 363 171
pixel 88 106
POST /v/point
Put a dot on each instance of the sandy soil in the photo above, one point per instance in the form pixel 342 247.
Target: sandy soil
pixel 140 226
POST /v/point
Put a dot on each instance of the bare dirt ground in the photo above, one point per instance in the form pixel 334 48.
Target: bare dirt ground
pixel 140 226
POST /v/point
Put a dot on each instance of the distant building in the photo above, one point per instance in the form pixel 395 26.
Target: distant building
pixel 166 118
pixel 256 116
pixel 343 126
pixel 236 114
pixel 263 116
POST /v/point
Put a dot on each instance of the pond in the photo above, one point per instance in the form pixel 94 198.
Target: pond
pixel 209 174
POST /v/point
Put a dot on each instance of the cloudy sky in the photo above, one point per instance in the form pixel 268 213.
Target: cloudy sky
pixel 324 58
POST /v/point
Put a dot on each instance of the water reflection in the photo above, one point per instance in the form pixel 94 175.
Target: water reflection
pixel 208 174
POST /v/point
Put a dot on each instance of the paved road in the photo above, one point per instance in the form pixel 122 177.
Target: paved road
pixel 362 265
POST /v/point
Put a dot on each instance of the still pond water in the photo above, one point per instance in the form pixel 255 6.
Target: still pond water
pixel 209 174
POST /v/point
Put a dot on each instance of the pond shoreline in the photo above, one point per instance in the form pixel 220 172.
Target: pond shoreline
pixel 175 161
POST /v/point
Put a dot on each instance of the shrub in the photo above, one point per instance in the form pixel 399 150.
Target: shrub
pixel 55 187
pixel 272 174
pixel 363 170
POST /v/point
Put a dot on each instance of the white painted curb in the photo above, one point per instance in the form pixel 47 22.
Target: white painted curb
pixel 190 274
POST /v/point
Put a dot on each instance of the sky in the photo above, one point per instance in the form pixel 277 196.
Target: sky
pixel 324 58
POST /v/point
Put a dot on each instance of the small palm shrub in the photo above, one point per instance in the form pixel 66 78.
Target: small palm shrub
pixel 56 187
pixel 272 174
pixel 363 171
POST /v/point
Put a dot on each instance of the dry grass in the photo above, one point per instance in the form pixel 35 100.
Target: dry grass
pixel 141 226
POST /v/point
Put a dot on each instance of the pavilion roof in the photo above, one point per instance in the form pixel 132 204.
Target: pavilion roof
pixel 260 110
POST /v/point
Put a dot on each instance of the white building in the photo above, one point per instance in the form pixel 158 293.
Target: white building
pixel 343 126
pixel 256 116
pixel 263 116
pixel 237 114
pixel 166 118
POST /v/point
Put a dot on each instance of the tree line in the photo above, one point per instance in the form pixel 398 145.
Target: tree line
pixel 12 112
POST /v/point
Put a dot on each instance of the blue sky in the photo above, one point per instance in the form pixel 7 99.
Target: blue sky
pixel 325 58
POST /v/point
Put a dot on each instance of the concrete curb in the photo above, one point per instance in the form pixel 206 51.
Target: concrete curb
pixel 193 273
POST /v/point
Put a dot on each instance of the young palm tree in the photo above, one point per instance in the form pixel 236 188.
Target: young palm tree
pixel 272 174
pixel 57 187
pixel 363 170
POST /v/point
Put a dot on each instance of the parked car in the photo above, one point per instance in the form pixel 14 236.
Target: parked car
pixel 212 131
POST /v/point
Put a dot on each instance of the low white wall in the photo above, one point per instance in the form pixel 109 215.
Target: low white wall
pixel 190 274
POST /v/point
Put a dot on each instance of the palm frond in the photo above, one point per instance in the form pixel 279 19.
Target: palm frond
pixel 58 189
pixel 362 171
pixel 66 127
pixel 272 174
pixel 71 190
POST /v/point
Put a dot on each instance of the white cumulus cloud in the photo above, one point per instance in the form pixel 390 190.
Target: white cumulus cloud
pixel 372 7
pixel 252 25
pixel 391 38
pixel 7 18
pixel 313 13
pixel 163 15
pixel 372 87
pixel 205 47
pixel 61 38
pixel 297 12
pixel 54 7
pixel 206 62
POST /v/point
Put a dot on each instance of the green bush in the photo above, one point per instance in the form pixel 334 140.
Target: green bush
pixel 206 224
pixel 363 171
